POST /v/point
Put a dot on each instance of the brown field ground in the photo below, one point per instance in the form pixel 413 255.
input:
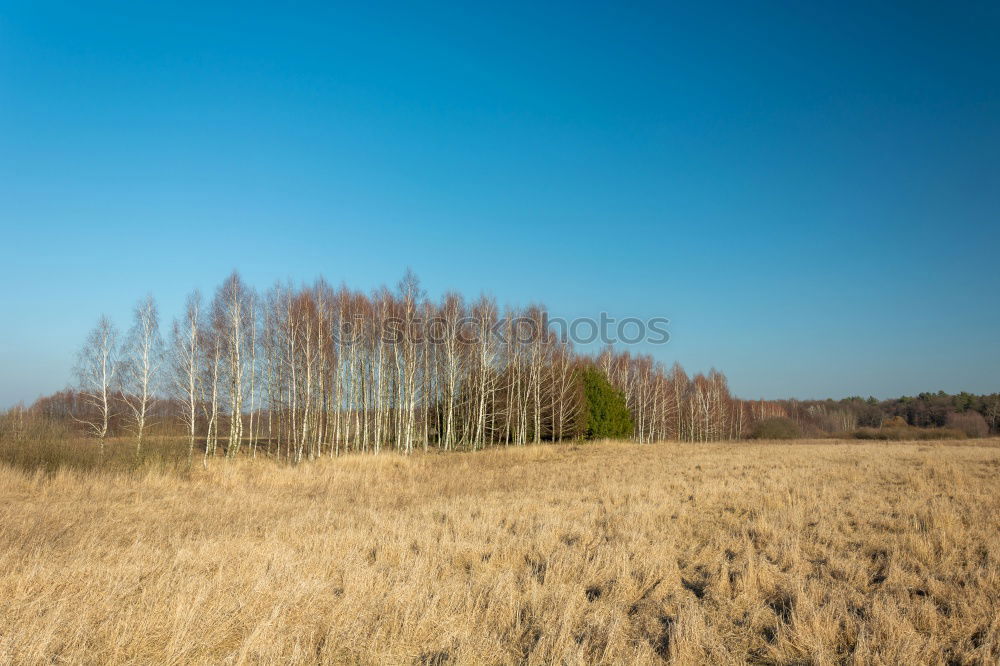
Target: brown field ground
pixel 805 552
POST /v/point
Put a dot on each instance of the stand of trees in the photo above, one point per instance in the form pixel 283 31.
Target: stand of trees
pixel 302 372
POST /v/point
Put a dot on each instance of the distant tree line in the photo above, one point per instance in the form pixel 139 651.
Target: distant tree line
pixel 973 415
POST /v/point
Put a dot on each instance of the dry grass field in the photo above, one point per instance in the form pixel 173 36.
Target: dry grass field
pixel 808 552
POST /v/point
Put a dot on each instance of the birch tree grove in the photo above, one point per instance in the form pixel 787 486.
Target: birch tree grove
pixel 304 372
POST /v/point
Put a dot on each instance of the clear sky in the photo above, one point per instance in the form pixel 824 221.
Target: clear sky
pixel 810 193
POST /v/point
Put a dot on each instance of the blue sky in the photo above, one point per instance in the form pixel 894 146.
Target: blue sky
pixel 810 194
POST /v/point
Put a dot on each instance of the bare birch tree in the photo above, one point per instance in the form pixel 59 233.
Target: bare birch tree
pixel 97 370
pixel 185 364
pixel 142 357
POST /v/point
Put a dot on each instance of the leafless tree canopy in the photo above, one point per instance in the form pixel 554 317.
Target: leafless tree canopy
pixel 302 372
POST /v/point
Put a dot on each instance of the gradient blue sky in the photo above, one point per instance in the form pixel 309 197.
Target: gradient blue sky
pixel 810 194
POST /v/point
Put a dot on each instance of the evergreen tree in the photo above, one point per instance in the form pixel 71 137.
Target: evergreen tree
pixel 607 416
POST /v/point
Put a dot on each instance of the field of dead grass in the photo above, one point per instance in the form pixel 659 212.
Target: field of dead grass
pixel 806 552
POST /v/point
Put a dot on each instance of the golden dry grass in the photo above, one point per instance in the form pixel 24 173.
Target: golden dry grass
pixel 614 553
